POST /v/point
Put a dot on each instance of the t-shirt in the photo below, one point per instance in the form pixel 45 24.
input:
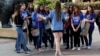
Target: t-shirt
pixel 56 25
pixel 24 14
pixel 19 20
pixel 76 19
pixel 91 17
pixel 35 17
pixel 67 22
pixel 47 22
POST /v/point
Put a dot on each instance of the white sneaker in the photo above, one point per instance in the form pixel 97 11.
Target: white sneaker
pixel 73 48
pixel 60 54
pixel 56 54
pixel 78 48
pixel 89 47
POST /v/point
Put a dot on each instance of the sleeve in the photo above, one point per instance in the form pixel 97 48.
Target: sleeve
pixel 50 16
pixel 94 15
pixel 81 16
pixel 33 16
pixel 62 16
pixel 24 15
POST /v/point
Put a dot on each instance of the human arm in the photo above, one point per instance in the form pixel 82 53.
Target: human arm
pixel 93 18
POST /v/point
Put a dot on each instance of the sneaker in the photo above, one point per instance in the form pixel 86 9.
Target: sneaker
pixel 89 47
pixel 60 54
pixel 73 48
pixel 56 54
pixel 18 52
pixel 78 48
pixel 40 50
pixel 27 52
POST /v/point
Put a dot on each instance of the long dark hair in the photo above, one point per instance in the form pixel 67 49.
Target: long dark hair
pixel 47 12
pixel 38 9
pixel 31 9
pixel 75 13
pixel 17 10
pixel 18 7
pixel 70 11
pixel 58 10
pixel 91 12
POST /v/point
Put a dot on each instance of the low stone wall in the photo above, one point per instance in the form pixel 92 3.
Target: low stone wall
pixel 8 33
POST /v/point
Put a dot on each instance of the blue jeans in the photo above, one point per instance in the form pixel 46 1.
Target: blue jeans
pixel 39 39
pixel 90 35
pixel 21 39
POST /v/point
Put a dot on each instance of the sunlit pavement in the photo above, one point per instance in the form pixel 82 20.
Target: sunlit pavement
pixel 7 48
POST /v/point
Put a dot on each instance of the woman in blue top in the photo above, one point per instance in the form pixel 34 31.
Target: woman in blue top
pixel 91 16
pixel 56 17
pixel 37 18
pixel 76 19
pixel 48 32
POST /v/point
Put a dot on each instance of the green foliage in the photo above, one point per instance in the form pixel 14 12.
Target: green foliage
pixel 50 3
pixel 44 2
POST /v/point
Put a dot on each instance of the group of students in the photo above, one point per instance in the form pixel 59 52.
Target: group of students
pixel 45 25
pixel 29 25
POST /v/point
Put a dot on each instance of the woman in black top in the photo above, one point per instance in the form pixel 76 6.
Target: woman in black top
pixel 19 20
pixel 30 9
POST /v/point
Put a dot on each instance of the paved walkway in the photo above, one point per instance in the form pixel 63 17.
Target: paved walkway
pixel 7 48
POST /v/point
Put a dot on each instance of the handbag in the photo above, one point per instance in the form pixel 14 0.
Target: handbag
pixel 35 32
pixel 24 25
pixel 85 29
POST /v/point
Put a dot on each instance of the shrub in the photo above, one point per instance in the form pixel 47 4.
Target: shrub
pixel 46 2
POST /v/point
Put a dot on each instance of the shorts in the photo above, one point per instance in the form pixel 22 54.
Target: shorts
pixel 57 31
